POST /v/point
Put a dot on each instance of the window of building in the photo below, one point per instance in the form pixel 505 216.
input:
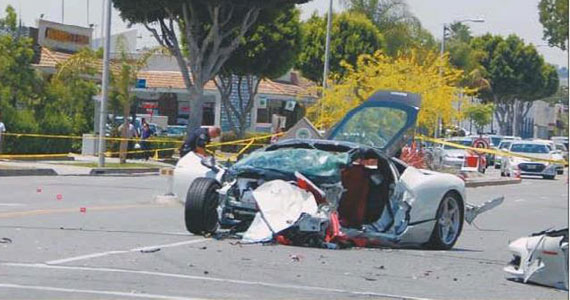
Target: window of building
pixel 209 114
pixel 274 107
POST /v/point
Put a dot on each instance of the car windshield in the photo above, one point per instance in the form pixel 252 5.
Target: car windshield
pixel 529 148
pixel 309 162
pixel 495 141
pixel 467 143
pixel 504 145
pixel 373 126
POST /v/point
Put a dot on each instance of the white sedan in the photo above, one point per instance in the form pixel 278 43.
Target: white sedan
pixel 526 166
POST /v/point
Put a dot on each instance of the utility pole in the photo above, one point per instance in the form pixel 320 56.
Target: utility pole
pixel 88 25
pixel 62 11
pixel 105 82
pixel 327 46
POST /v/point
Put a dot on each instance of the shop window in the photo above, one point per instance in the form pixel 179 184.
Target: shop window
pixel 209 114
pixel 274 107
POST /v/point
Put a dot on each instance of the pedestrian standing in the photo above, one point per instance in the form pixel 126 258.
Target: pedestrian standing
pixel 2 130
pixel 145 135
pixel 131 135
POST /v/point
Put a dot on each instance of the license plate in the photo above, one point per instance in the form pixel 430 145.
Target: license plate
pixel 531 167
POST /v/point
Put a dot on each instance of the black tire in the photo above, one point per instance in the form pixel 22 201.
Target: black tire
pixel 560 172
pixel 503 174
pixel 200 210
pixel 436 242
pixel 550 177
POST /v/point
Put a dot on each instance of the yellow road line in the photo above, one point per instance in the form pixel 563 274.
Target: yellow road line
pixel 39 212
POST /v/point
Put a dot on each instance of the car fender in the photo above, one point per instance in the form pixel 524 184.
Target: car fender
pixel 187 170
pixel 428 188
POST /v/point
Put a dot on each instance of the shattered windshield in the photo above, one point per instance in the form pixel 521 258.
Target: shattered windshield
pixel 373 126
pixel 309 162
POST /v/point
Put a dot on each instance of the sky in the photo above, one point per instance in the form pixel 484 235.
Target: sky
pixel 501 17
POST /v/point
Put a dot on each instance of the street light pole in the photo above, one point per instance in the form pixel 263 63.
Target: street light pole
pixel 62 11
pixel 327 46
pixel 105 83
pixel 442 51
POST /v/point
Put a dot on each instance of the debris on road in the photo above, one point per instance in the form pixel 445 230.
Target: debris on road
pixel 295 257
pixel 541 258
pixel 472 211
pixel 150 250
pixel 5 241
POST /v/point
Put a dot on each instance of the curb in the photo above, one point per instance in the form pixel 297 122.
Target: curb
pixel 111 171
pixel 494 182
pixel 27 172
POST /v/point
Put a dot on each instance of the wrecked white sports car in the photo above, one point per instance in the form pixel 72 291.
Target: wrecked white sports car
pixel 346 190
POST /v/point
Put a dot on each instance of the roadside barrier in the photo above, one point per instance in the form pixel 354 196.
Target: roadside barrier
pixel 490 151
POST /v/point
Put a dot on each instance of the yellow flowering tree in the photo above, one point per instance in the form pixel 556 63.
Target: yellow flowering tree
pixel 422 72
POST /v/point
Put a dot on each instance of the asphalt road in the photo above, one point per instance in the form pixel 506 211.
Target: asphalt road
pixel 125 246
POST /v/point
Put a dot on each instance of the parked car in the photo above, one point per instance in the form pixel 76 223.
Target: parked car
pixel 175 131
pixel 556 154
pixel 379 199
pixel 561 139
pixel 535 149
pixel 450 156
pixel 563 150
pixel 503 146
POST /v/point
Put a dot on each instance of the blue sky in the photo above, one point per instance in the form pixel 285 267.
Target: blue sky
pixel 501 17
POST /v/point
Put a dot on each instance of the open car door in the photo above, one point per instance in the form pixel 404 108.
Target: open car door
pixel 385 121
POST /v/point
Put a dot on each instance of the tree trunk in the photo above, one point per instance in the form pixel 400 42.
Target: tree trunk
pixel 501 116
pixel 196 107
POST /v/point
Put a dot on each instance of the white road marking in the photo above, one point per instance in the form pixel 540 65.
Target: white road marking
pixel 519 200
pixel 95 292
pixel 12 204
pixel 106 253
pixel 214 279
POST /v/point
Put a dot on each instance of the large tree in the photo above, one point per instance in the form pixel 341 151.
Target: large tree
pixel 352 35
pixel 517 76
pixel 269 50
pixel 416 72
pixel 402 31
pixel 200 34
pixel 554 18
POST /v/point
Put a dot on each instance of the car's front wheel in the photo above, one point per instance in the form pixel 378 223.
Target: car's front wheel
pixel 449 223
pixel 200 211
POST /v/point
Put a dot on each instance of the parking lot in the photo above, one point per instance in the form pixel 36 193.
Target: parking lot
pixel 104 237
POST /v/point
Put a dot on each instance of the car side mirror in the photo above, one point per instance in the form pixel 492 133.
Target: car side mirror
pixel 210 163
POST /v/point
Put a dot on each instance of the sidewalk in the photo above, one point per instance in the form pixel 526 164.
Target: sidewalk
pixel 67 168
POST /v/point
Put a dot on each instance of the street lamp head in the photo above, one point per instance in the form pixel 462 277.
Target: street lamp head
pixel 474 20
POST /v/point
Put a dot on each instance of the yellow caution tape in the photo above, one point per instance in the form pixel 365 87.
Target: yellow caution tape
pixel 24 156
pixel 74 137
pixel 491 151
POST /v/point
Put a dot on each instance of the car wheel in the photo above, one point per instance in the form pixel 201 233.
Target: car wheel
pixel 551 177
pixel 449 223
pixel 560 172
pixel 200 210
